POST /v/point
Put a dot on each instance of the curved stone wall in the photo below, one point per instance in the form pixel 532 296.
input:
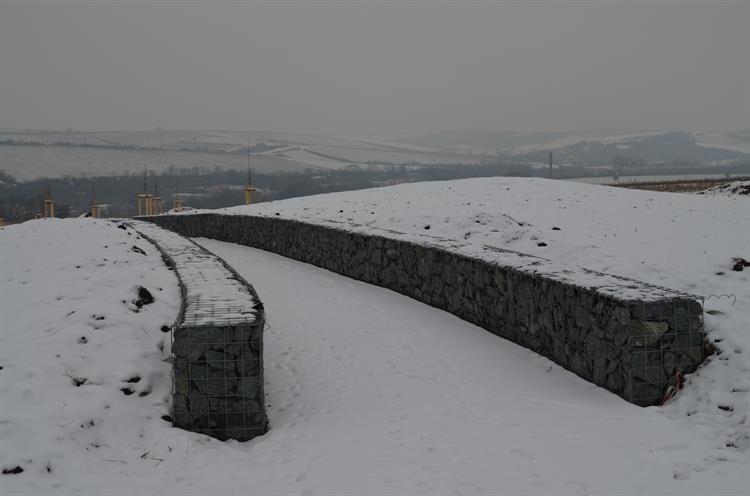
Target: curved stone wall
pixel 217 342
pixel 628 337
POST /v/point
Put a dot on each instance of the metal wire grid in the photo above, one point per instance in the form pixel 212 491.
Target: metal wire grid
pixel 215 312
pixel 222 389
pixel 660 291
pixel 210 419
pixel 655 356
pixel 634 362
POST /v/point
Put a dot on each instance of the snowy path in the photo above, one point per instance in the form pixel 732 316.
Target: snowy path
pixel 372 391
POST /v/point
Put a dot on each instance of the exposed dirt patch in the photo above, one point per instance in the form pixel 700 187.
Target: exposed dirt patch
pixel 739 264
pixel 144 297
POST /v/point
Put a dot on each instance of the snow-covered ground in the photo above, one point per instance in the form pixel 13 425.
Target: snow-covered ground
pixel 735 142
pixel 685 242
pixel 160 150
pixel 370 153
pixel 735 188
pixel 82 383
pixel 596 137
pixel 32 162
pixel 370 392
pixel 303 156
pixel 655 178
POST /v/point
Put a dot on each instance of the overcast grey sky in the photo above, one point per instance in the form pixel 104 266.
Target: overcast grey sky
pixel 375 68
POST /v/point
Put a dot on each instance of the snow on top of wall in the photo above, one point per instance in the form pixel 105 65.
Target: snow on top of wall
pixel 213 294
pixel 518 223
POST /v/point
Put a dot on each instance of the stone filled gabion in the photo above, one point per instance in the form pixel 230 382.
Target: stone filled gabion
pixel 633 347
pixel 218 380
pixel 217 343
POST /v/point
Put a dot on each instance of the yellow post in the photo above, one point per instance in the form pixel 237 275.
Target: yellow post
pixel 49 208
pixel 2 222
pixel 177 205
pixel 141 204
pixel 248 192
pixel 149 204
pixel 158 209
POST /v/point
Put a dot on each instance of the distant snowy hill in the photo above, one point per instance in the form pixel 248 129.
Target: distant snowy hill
pixel 34 154
pixel 598 146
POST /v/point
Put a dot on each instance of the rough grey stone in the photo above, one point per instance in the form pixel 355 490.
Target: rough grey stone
pixel 601 338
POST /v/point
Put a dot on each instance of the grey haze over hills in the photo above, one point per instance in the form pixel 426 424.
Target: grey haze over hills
pixel 28 154
pixel 331 84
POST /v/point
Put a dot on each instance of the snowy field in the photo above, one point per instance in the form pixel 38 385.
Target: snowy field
pixel 160 150
pixel 596 137
pixel 681 241
pixel 654 178
pixel 735 188
pixel 301 155
pixel 735 142
pixel 33 162
pixel 370 392
pixel 370 153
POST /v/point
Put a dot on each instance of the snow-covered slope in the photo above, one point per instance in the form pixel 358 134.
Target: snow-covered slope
pixel 32 162
pixel 82 383
pixel 370 392
pixel 685 242
pixel 736 142
pixel 734 188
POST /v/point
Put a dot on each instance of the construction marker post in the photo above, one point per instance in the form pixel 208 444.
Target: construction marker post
pixel 158 208
pixel 49 208
pixel 248 194
pixel 149 200
pixel 141 204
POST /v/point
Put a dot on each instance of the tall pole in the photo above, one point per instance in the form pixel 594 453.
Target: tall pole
pixel 49 205
pixel 157 199
pixel 94 211
pixel 249 188
pixel 550 165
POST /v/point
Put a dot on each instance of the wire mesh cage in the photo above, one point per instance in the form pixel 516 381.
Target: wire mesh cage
pixel 665 340
pixel 218 380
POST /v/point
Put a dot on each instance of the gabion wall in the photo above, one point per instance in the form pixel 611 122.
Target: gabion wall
pixel 218 358
pixel 633 348
pixel 218 380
